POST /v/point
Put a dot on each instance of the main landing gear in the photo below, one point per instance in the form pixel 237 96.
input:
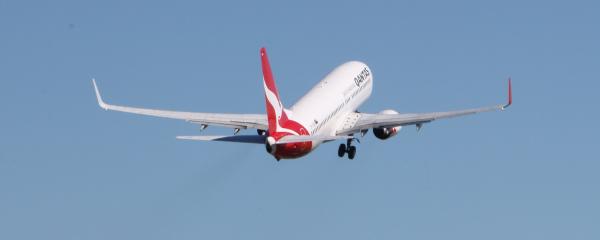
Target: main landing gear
pixel 347 148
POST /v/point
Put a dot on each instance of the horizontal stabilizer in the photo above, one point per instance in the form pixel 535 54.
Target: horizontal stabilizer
pixel 257 139
pixel 307 138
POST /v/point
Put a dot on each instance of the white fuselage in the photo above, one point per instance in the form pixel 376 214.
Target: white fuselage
pixel 332 102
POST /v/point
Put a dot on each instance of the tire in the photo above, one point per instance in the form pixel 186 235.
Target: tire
pixel 351 152
pixel 342 150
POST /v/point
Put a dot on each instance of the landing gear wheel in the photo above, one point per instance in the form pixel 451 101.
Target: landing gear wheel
pixel 351 152
pixel 342 150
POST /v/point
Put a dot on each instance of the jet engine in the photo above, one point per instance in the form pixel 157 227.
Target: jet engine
pixel 386 132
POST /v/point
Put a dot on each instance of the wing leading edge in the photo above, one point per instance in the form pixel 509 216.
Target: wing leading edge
pixel 242 121
pixel 367 121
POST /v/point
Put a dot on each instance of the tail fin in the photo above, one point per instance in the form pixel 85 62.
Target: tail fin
pixel 275 113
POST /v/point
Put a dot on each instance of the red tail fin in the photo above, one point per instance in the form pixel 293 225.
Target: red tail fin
pixel 274 106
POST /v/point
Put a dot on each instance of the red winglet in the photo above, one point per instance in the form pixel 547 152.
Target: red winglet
pixel 509 94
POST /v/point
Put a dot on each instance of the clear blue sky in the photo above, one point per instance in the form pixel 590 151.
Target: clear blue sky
pixel 69 170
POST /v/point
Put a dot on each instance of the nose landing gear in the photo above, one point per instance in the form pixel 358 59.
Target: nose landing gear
pixel 347 148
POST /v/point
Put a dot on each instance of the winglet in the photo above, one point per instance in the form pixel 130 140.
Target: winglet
pixel 509 95
pixel 100 102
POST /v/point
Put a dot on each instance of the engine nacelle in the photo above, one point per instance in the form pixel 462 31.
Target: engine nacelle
pixel 386 132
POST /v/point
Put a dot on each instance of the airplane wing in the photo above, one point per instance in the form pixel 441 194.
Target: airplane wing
pixel 366 121
pixel 240 121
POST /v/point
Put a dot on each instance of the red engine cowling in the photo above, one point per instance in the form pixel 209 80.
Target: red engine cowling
pixel 386 132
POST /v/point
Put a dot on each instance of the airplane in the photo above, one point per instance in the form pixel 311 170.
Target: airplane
pixel 328 112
